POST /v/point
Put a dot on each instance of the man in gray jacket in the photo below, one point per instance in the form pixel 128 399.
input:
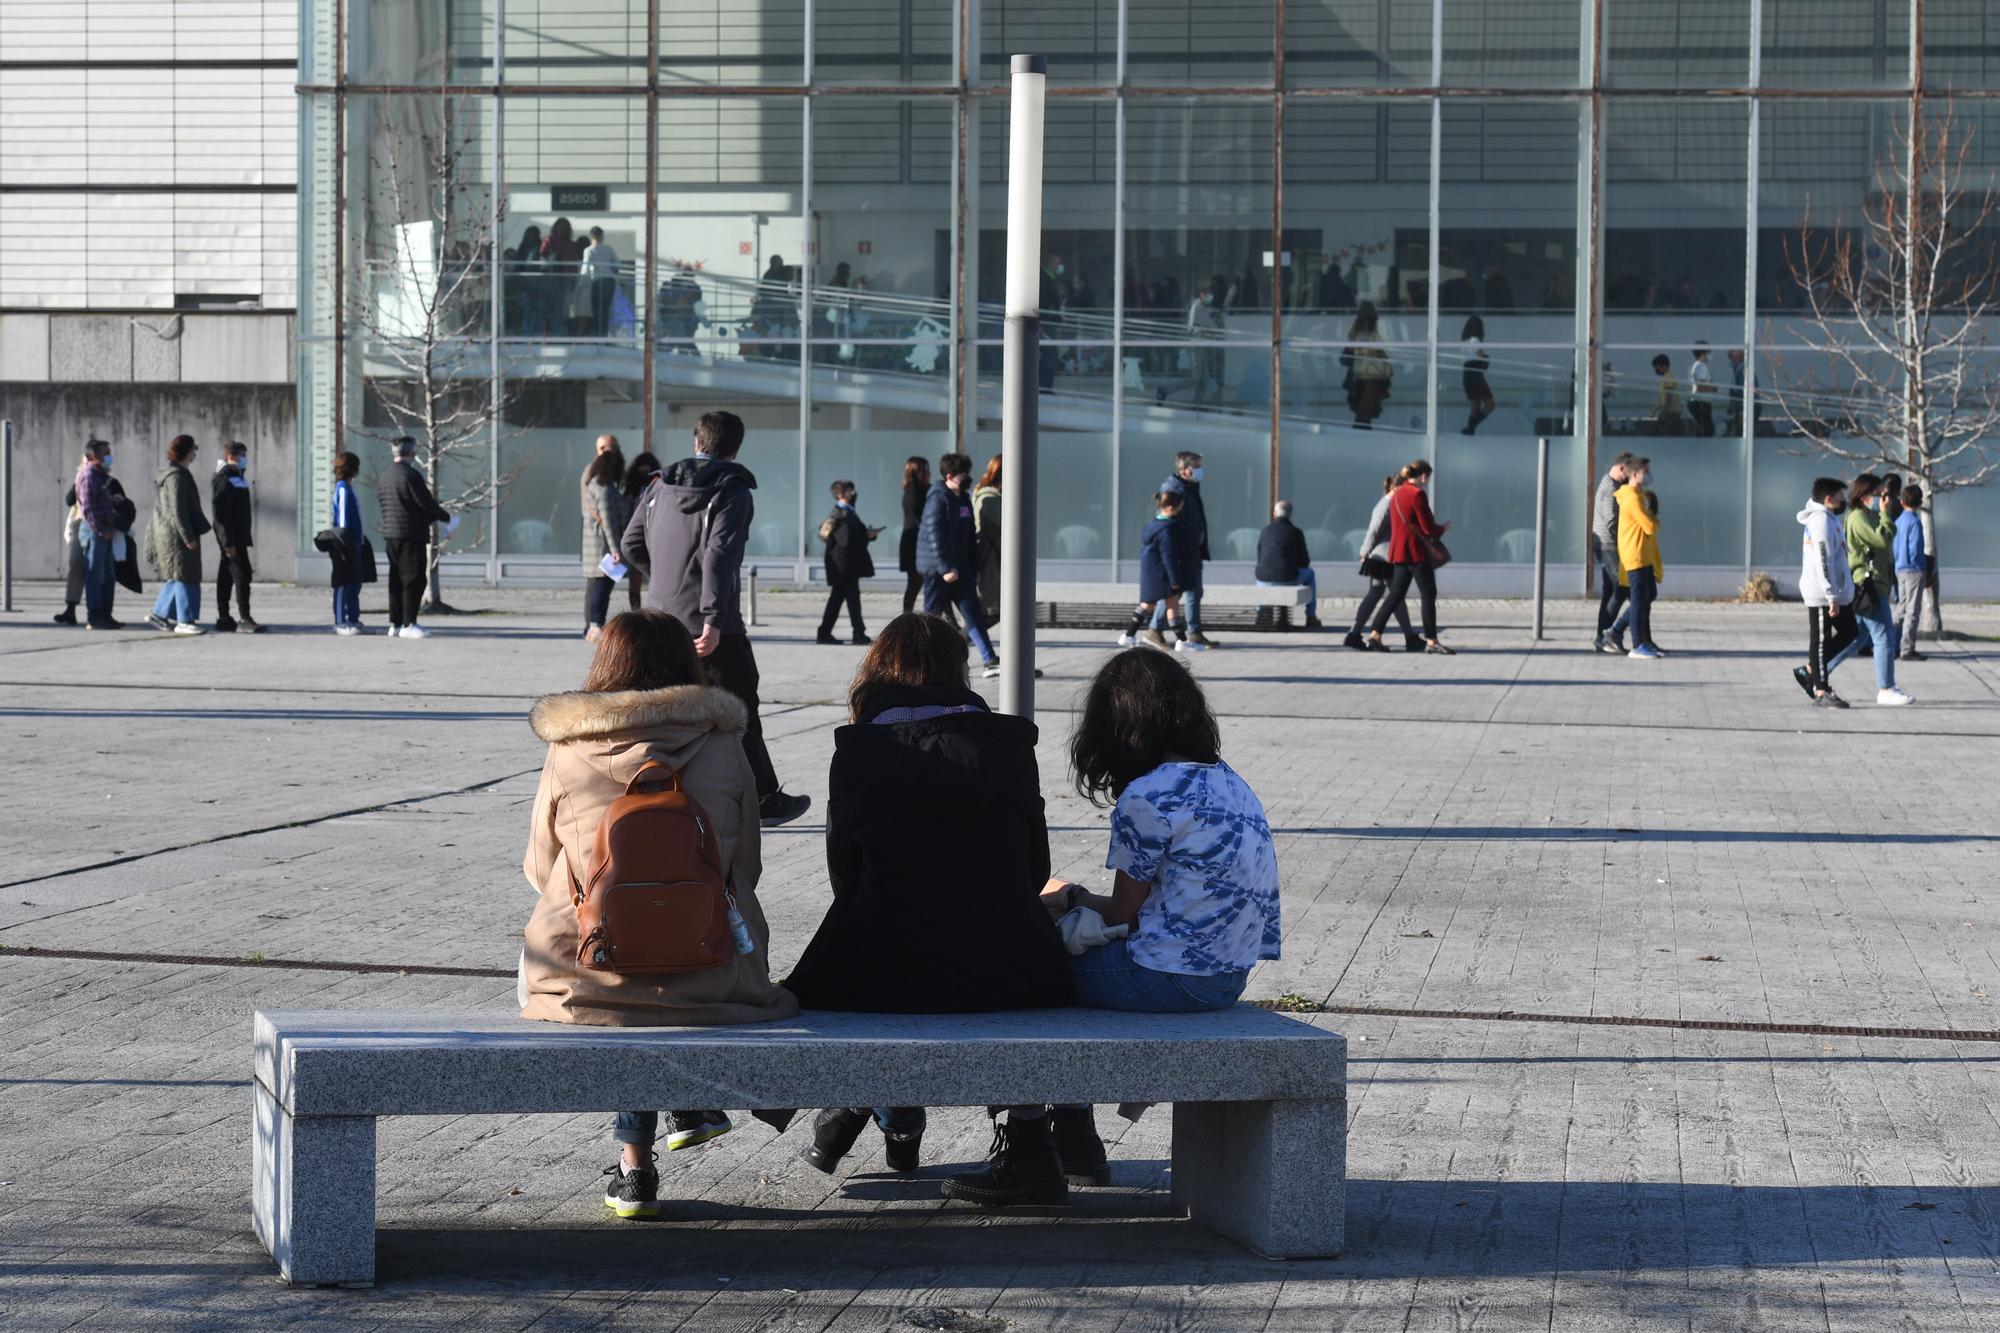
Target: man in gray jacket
pixel 686 537
pixel 1604 553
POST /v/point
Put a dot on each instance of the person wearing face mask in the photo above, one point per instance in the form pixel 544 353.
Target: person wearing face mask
pixel 1870 542
pixel 1186 481
pixel 174 538
pixel 229 493
pixel 1827 589
pixel 1414 551
pixel 99 513
pixel 1639 555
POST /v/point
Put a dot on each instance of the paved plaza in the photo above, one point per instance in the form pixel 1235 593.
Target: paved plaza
pixel 1477 853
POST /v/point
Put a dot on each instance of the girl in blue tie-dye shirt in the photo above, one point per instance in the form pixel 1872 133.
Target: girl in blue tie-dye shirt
pixel 1197 874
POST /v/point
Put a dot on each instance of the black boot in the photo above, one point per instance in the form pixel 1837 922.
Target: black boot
pixel 834 1132
pixel 1024 1169
pixel 1077 1145
pixel 900 1151
pixel 66 616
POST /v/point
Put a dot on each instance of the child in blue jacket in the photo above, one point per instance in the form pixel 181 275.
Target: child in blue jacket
pixel 1912 569
pixel 1163 573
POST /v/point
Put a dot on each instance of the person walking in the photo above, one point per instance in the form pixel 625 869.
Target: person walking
pixel 916 488
pixel 1163 562
pixel 1870 536
pixel 639 474
pixel 1931 572
pixel 1414 540
pixel 605 514
pixel 1475 363
pixel 229 497
pixel 1284 562
pixel 600 279
pixel 925 776
pixel 644 714
pixel 1702 392
pixel 1612 590
pixel 408 510
pixel 1826 586
pixel 97 497
pixel 946 554
pixel 1667 417
pixel 1368 370
pixel 174 541
pixel 1375 567
pixel 1186 479
pixel 847 563
pixel 346 520
pixel 1911 569
pixel 1639 556
pixel 687 535
pixel 986 539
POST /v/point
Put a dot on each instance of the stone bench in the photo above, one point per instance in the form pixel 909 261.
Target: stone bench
pixel 1259 1099
pixel 1095 604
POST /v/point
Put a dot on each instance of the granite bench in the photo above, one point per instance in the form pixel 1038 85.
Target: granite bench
pixel 1074 604
pixel 1259 1099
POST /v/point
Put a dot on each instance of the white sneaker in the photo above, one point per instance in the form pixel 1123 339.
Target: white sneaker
pixel 415 632
pixel 189 629
pixel 1126 640
pixel 1893 698
pixel 1190 646
pixel 991 670
pixel 347 631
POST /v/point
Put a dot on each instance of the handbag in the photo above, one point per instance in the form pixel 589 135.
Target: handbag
pixel 1866 601
pixel 367 561
pixel 1436 554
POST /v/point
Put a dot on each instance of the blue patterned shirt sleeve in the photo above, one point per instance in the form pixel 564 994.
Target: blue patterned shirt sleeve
pixel 1140 835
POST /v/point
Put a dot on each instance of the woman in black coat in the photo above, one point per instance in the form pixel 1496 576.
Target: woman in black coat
pixel 938 850
pixel 916 485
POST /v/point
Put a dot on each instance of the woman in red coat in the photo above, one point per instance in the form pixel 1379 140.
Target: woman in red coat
pixel 1410 522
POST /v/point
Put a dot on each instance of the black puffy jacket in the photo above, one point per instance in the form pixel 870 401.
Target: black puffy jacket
pixel 408 507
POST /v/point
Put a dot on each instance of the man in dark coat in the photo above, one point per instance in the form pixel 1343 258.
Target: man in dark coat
pixel 686 538
pixel 1194 520
pixel 1284 562
pixel 408 510
pixel 946 554
pixel 229 493
pixel 847 563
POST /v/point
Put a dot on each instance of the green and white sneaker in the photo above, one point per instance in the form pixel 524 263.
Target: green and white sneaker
pixel 691 1129
pixel 632 1193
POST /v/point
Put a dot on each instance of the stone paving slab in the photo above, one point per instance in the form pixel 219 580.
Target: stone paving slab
pixel 1534 829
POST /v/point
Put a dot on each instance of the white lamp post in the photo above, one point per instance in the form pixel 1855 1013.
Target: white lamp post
pixel 1020 384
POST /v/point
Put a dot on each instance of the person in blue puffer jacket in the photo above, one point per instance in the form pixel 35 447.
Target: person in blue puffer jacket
pixel 1165 555
pixel 946 554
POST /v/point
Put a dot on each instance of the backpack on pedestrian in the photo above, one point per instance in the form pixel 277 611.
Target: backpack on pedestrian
pixel 656 898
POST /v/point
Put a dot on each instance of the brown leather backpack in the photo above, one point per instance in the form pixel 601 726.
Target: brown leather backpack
pixel 657 899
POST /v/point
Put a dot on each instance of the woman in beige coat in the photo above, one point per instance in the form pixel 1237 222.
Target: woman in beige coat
pixel 644 701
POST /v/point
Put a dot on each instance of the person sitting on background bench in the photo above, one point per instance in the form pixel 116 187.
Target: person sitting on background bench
pixel 643 703
pixel 1283 560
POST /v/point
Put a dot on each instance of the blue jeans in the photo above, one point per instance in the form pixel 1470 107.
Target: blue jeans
pixel 1108 977
pixel 1190 604
pixel 1882 633
pixel 100 577
pixel 347 605
pixel 179 602
pixel 1306 579
pixel 964 595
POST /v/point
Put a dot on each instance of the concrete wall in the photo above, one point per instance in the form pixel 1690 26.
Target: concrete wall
pixel 52 421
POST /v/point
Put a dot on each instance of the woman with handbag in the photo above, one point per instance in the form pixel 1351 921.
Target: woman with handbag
pixel 1416 553
pixel 1375 567
pixel 604 515
pixel 643 717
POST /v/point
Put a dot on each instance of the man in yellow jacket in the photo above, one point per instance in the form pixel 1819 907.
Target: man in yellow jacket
pixel 1639 553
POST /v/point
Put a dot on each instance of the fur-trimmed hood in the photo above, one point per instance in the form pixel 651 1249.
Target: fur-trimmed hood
pixel 583 715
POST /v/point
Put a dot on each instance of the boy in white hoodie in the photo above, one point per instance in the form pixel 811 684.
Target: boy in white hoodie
pixel 1827 588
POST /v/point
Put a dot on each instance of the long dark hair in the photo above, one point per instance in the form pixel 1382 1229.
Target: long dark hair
pixel 644 650
pixel 1143 707
pixel 608 467
pixel 914 652
pixel 916 472
pixel 1364 320
pixel 640 471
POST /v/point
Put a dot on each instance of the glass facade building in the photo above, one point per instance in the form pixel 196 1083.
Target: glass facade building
pixel 806 203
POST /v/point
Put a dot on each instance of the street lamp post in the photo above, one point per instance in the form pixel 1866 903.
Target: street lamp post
pixel 1020 385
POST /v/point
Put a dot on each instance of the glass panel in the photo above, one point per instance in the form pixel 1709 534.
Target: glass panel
pixel 1836 44
pixel 881 217
pixel 1235 488
pixel 1183 43
pixel 1353 389
pixel 1073 516
pixel 1677 43
pixel 1357 216
pixel 1485 488
pixel 547 439
pixel 1333 476
pixel 1507 225
pixel 1078 168
pixel 1079 38
pixel 883 41
pixel 566 42
pixel 1524 43
pixel 1357 43
pixel 422 41
pixel 710 42
pixel 1961 44
pixel 1818 164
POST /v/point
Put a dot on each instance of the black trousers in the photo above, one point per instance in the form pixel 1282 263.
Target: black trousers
pixel 913 585
pixel 1644 588
pixel 733 667
pixel 232 571
pixel 597 599
pixel 837 593
pixel 1610 592
pixel 1376 589
pixel 406 579
pixel 1828 634
pixel 1399 593
pixel 1704 416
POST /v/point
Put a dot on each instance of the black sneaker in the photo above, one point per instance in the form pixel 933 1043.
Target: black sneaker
pixel 248 626
pixel 691 1129
pixel 861 640
pixel 106 623
pixel 632 1193
pixel 900 1150
pixel 1023 1169
pixel 1078 1147
pixel 1354 641
pixel 160 623
pixel 1829 700
pixel 1415 643
pixel 66 616
pixel 781 808
pixel 1909 654
pixel 825 636
pixel 834 1132
pixel 225 627
pixel 1803 675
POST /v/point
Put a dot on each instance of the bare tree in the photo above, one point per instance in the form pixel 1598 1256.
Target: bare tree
pixel 1896 318
pixel 421 309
